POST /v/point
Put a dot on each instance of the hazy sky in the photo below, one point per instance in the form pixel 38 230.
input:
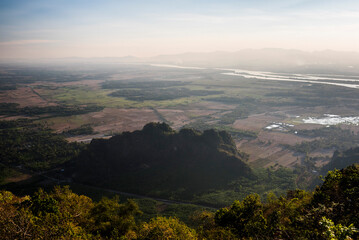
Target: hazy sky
pixel 85 28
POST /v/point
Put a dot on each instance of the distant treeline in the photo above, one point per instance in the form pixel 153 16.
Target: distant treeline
pixel 26 75
pixel 121 84
pixel 5 87
pixel 154 90
pixel 316 95
pixel 82 130
pixel 238 133
pixel 12 109
pixel 161 94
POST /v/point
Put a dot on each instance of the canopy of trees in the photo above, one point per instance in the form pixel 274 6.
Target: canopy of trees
pixel 330 212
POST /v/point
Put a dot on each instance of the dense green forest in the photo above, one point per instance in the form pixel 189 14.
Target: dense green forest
pixel 330 212
pixel 33 146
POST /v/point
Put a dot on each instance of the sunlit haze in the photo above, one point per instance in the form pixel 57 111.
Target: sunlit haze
pixel 56 29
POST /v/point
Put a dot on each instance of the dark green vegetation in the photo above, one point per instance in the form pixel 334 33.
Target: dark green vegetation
pixel 23 73
pixel 13 109
pixel 161 94
pixel 319 95
pixel 141 83
pixel 236 133
pixel 330 212
pixel 185 163
pixel 82 130
pixel 154 90
pixel 139 90
pixel 329 138
pixel 33 146
pixel 299 215
pixel 244 106
pixel 342 159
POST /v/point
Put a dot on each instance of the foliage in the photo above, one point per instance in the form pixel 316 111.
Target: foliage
pixel 330 212
pixel 112 219
pixel 207 228
pixel 82 130
pixel 12 109
pixel 340 192
pixel 244 218
pixel 33 146
pixel 162 228
pixel 299 215
pixel 337 232
pixel 342 159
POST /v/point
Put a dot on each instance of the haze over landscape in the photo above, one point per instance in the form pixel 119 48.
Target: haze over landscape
pixel 52 29
pixel 179 120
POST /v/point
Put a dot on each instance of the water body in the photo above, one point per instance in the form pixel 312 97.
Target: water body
pixel 334 80
pixel 305 78
pixel 175 66
pixel 329 119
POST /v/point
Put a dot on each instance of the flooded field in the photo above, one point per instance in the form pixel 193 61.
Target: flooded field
pixel 349 82
pixel 330 119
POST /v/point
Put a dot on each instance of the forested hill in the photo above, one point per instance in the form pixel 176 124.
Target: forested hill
pixel 159 161
pixel 342 159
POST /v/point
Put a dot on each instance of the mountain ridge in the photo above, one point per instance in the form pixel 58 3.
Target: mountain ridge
pixel 159 161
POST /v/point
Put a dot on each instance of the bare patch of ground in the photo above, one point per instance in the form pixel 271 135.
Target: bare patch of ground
pixel 119 120
pixel 18 178
pixel 86 138
pixel 256 122
pixel 179 118
pixel 107 121
pixel 281 137
pixel 213 106
pixel 267 154
pixel 25 97
pixel 267 149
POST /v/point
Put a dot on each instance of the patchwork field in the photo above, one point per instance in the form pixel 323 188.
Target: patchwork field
pixel 265 118
pixel 25 97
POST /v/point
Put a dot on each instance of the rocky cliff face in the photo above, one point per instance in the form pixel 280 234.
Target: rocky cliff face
pixel 159 161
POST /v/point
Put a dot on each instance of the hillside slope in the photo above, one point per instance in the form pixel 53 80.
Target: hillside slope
pixel 158 161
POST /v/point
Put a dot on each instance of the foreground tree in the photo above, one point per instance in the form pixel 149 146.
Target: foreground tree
pixel 162 228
